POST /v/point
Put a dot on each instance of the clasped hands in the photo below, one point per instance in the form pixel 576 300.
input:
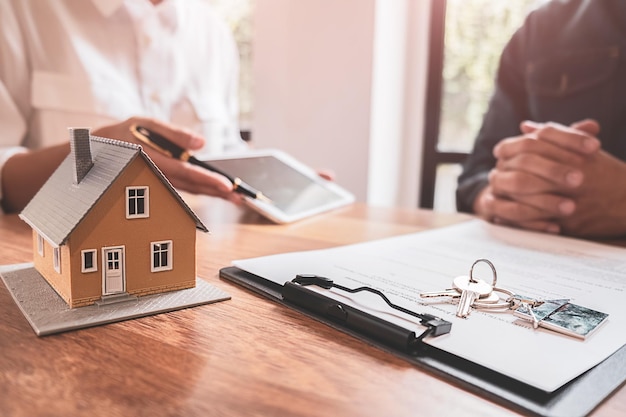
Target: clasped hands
pixel 556 179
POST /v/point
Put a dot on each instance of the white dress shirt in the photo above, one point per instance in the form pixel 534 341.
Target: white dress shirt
pixel 79 63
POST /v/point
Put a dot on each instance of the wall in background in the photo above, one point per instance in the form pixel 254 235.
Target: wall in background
pixel 339 84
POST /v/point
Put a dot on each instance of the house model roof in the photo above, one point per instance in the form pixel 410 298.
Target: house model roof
pixel 61 204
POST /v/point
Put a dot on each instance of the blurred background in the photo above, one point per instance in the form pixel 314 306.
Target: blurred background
pixel 387 93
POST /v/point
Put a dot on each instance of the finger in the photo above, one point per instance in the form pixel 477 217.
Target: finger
pixel 184 138
pixel 588 126
pixel 548 169
pixel 327 174
pixel 529 126
pixel 537 226
pixel 235 198
pixel 569 138
pixel 193 179
pixel 512 213
pixel 506 183
pixel 528 144
pixel 551 204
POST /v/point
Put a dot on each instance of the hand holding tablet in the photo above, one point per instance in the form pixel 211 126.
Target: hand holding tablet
pixel 296 191
pixel 274 184
pixel 167 147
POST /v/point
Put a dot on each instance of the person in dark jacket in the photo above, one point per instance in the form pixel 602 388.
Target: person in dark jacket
pixel 550 153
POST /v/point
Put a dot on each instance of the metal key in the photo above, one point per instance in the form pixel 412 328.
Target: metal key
pixel 448 292
pixel 455 293
pixel 471 290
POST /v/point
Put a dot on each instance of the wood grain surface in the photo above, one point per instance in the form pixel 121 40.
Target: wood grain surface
pixel 242 357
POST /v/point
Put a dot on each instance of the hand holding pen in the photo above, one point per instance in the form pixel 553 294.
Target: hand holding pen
pixel 170 149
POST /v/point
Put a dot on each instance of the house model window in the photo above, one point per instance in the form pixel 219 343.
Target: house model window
pixel 137 202
pixel 89 261
pixel 39 244
pixel 56 259
pixel 161 256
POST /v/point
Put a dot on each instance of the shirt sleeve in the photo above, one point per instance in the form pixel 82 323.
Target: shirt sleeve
pixel 5 154
pixel 13 129
pixel 13 79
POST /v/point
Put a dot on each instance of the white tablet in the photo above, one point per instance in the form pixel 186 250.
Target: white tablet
pixel 296 191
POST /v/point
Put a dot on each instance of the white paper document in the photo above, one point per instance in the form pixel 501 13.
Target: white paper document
pixel 537 265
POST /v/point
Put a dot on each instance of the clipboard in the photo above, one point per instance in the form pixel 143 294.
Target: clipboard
pixel 578 398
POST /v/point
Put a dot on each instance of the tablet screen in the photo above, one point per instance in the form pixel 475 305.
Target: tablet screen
pixel 290 190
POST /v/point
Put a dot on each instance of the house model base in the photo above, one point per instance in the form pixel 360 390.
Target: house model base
pixel 48 313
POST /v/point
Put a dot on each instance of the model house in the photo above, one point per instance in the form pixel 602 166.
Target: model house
pixel 108 223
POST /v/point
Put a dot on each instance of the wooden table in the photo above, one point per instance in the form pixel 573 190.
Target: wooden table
pixel 244 357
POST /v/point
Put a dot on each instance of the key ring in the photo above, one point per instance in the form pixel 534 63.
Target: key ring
pixel 503 304
pixel 493 268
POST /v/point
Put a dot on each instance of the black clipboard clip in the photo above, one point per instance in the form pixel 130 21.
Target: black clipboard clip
pixel 295 292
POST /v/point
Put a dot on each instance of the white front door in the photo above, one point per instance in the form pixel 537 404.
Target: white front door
pixel 113 259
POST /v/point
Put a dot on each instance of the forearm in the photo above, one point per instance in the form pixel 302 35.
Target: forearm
pixel 507 108
pixel 23 174
pixel 468 190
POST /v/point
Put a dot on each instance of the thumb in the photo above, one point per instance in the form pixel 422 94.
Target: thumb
pixel 589 126
pixel 528 126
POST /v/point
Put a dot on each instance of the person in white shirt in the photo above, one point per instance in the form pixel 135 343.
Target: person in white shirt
pixel 169 65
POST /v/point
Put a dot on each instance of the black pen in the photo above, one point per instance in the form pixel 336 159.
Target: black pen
pixel 166 147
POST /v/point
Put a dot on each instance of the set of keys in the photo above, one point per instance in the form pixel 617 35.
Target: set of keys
pixel 476 293
pixel 558 315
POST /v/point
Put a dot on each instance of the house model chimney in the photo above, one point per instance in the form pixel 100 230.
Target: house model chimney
pixel 80 152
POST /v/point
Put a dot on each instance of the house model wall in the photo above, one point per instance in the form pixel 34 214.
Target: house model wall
pixel 108 223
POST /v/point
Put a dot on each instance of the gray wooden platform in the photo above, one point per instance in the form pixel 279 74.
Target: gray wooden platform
pixel 48 313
